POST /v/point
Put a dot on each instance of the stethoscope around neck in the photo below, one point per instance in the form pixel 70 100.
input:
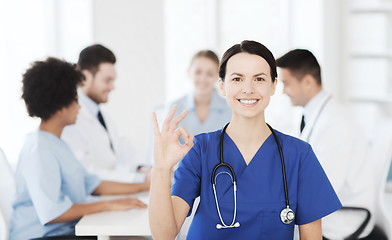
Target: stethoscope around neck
pixel 286 215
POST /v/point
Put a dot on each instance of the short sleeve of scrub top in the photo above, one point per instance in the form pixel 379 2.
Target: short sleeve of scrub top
pixel 310 193
pixel 43 179
pixel 316 196
pixel 188 188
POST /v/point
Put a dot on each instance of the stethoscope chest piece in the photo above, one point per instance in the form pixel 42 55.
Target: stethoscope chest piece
pixel 287 215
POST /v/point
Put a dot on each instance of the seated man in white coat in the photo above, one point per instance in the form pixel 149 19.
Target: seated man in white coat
pixel 338 143
pixel 94 138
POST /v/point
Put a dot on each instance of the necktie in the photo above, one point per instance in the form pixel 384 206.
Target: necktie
pixel 302 123
pixel 100 119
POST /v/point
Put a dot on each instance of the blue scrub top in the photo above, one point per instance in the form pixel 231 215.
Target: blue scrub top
pixel 49 180
pixel 260 191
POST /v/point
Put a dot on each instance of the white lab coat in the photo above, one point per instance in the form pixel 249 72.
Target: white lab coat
pixel 90 143
pixel 343 152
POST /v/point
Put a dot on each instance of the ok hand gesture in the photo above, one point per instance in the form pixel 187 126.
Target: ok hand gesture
pixel 167 148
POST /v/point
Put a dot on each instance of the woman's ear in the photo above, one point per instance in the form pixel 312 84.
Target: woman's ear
pixel 274 86
pixel 222 87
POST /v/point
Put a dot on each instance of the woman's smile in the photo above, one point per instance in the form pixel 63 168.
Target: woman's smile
pixel 248 102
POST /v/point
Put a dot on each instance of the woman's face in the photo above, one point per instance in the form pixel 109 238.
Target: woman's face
pixel 204 73
pixel 247 86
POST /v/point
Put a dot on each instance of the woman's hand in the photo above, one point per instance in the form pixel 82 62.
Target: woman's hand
pixel 125 204
pixel 167 148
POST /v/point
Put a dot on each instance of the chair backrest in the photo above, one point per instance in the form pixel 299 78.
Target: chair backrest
pixel 381 153
pixel 7 192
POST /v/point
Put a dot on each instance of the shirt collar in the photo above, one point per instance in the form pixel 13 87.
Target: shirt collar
pixel 215 103
pixel 313 105
pixel 88 103
pixel 190 102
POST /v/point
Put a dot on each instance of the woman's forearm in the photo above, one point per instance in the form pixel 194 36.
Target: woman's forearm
pixel 113 188
pixel 311 231
pixel 79 210
pixel 162 218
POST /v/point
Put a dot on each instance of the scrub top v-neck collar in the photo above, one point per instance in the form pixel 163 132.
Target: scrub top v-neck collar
pixel 229 142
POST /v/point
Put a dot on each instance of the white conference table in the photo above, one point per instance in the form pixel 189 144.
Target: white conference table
pixel 132 222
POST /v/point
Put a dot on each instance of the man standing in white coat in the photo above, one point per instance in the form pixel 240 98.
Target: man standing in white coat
pixel 338 143
pixel 94 138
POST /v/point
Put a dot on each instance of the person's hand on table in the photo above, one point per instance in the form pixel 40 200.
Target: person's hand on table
pixel 125 204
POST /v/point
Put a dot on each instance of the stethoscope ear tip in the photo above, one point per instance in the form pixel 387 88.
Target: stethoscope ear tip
pixel 237 224
pixel 218 226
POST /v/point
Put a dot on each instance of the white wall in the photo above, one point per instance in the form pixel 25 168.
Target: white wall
pixel 149 37
pixel 133 30
pixel 39 29
pixel 23 37
pixel 190 26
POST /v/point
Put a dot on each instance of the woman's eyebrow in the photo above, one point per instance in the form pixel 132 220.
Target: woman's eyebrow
pixel 259 74
pixel 239 74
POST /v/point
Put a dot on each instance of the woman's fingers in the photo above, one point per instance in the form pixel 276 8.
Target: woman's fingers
pixel 168 118
pixel 155 125
pixel 168 123
pixel 177 120
pixel 127 203
pixel 139 204
pixel 188 139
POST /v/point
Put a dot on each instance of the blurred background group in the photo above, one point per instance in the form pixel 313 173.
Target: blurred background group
pixel 155 41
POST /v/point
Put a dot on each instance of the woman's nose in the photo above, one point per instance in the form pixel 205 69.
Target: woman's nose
pixel 248 87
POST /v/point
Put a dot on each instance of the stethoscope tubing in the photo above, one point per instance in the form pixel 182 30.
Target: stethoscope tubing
pixel 222 163
pixel 283 166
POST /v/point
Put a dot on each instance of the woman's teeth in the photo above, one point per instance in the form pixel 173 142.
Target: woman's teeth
pixel 248 101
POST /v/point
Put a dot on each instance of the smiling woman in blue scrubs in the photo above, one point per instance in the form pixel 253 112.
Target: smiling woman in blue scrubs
pixel 51 184
pixel 248 80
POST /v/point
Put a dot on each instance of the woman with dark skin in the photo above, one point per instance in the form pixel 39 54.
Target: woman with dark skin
pixel 51 185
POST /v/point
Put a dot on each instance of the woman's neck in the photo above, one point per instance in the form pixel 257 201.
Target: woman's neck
pixel 248 130
pixel 52 126
pixel 202 99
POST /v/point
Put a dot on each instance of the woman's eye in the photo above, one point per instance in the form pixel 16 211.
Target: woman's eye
pixel 237 79
pixel 259 79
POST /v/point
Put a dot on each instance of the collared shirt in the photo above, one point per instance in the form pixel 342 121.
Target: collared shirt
pixel 92 144
pixel 342 150
pixel 88 103
pixel 312 108
pixel 49 180
pixel 219 114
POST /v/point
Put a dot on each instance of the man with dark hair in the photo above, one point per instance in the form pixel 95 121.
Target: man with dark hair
pixel 51 185
pixel 94 138
pixel 337 141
